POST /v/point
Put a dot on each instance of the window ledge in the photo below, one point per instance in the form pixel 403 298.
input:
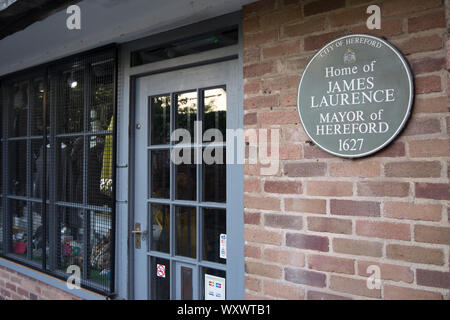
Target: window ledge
pixel 51 281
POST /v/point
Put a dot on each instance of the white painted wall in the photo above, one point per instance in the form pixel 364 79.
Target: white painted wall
pixel 104 22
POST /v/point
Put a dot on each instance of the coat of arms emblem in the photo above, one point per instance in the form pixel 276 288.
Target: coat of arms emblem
pixel 349 56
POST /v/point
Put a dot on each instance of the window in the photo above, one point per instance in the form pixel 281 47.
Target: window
pixel 69 152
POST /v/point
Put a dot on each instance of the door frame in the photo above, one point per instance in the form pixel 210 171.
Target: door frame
pixel 131 75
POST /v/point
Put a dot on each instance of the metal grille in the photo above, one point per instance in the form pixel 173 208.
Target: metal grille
pixel 60 145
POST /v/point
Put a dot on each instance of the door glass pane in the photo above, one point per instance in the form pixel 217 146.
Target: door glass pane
pixel 215 273
pixel 160 279
pixel 102 96
pixel 37 238
pixel 215 108
pixel 214 226
pixel 160 120
pixel 19 210
pixel 37 123
pixel 71 250
pixel 36 168
pixel 214 175
pixel 70 111
pixel 69 173
pixel 186 283
pixel 17 165
pixel 18 114
pixel 1 223
pixel 100 248
pixel 186 228
pixel 186 112
pixel 186 176
pixel 99 168
pixel 160 174
pixel 160 222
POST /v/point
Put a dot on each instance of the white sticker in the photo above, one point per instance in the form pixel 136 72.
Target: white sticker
pixel 214 288
pixel 161 270
pixel 223 246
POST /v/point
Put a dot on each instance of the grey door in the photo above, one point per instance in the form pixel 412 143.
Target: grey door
pixel 185 211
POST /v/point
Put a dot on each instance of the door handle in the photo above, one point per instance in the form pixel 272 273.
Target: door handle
pixel 139 235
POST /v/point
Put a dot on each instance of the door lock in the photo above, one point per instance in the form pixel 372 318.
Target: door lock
pixel 138 126
pixel 139 235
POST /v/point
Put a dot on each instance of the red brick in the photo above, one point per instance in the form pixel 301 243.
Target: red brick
pixel 436 191
pixel 402 7
pixel 430 278
pixel 413 169
pixel 279 117
pixel 314 152
pixel 283 291
pixel 284 257
pixel 306 205
pixel 420 44
pixel 306 277
pixel 289 98
pixel 296 64
pixel 264 270
pixel 383 189
pixel 427 21
pixel 252 87
pixel 413 211
pixel 402 293
pixel 358 247
pixel 317 41
pixel 283 187
pixel 305 169
pixel 250 25
pixel 355 208
pixel 388 271
pixel 276 18
pixel 306 27
pixel 252 283
pixel 252 251
pixel 431 234
pixel 394 150
pixel 322 6
pixel 364 169
pixel 329 188
pixel 281 49
pixel 331 264
pixel 258 7
pixel 415 254
pixel 250 118
pixel 287 82
pixel 252 185
pixel 283 221
pixel 308 242
pixel 386 230
pixel 428 84
pixel 431 105
pixel 353 286
pixel 392 27
pixel 263 101
pixel 316 295
pixel 259 69
pixel 421 126
pixel 331 225
pixel 427 64
pixel 293 134
pixel 262 236
pixel 429 148
pixel 263 203
pixel 348 17
pixel 290 152
pixel 251 56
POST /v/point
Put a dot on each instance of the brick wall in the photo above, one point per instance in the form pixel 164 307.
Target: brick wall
pixel 16 286
pixel 313 229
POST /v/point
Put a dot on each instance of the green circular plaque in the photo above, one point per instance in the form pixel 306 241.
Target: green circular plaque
pixel 355 96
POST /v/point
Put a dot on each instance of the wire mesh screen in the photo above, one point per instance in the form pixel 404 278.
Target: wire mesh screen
pixel 69 152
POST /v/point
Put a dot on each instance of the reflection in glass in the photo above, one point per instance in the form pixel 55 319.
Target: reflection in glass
pixel 98 163
pixel 186 283
pixel 160 279
pixel 214 225
pixel 215 176
pixel 70 237
pixel 160 222
pixel 38 234
pixel 160 174
pixel 186 226
pixel 1 223
pixel 36 168
pixel 100 248
pixel 69 169
pixel 19 241
pixel 37 100
pixel 71 102
pixel 186 178
pixel 18 114
pixel 17 167
pixel 160 120
pixel 102 92
pixel 215 108
pixel 186 112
